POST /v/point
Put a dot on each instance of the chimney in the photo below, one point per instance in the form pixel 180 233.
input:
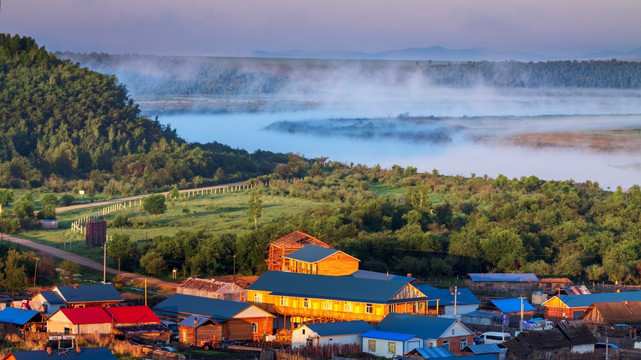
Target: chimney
pixel 49 351
pixel 409 274
pixel 195 321
pixel 78 349
pixel 75 286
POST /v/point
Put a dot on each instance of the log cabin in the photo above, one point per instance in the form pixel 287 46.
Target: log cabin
pixel 319 260
pixel 287 245
pixel 572 307
pixel 302 298
pixel 239 320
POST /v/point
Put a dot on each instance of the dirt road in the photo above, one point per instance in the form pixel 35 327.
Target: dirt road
pixel 138 197
pixel 81 260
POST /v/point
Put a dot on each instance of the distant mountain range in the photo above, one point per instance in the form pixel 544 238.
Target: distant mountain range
pixel 439 53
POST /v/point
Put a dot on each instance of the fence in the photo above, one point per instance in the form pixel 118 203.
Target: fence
pixel 309 352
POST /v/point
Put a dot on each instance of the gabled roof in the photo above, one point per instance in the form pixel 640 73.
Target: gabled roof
pixel 16 316
pixel 500 277
pixel 484 349
pixel 512 305
pixel 346 288
pixel 196 305
pixel 132 315
pixel 194 321
pixel 89 293
pixel 565 334
pixel 464 296
pixel 434 352
pixel 312 253
pixel 52 297
pixel 483 314
pixel 589 299
pixel 297 239
pixel 623 312
pixel 88 315
pixel 373 275
pixel 99 353
pixel 386 335
pixel 425 327
pixel 340 328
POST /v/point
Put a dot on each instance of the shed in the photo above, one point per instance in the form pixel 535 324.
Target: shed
pixel 287 245
pixel 212 288
pixel 608 314
pixel 139 322
pixel 551 285
pixel 15 320
pixel 319 260
pixel 566 337
pixel 389 344
pixel 502 281
pixel 90 320
pixel 438 352
pixel 195 330
pixel 464 301
pixel 340 332
pixel 479 317
pixel 481 349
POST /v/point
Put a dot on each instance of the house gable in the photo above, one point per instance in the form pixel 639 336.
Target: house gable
pixel 252 312
pixel 408 292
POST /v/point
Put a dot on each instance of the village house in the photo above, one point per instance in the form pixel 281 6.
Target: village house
pixel 427 353
pixel 16 321
pixel 502 281
pixel 621 319
pixel 212 288
pixel 75 296
pixel 137 322
pixel 510 308
pixel 233 320
pixel 318 260
pixel 340 332
pixel 463 302
pixel 373 275
pixel 486 349
pixel 302 298
pixel 566 337
pixel 287 245
pixel 97 353
pixel 433 331
pixel 552 285
pixel 389 344
pixel 90 320
pixel 572 307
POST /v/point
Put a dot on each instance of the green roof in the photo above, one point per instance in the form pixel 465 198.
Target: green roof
pixel 345 288
pixel 197 305
pixel 311 253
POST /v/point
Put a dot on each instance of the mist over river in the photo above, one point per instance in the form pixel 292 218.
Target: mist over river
pixel 456 131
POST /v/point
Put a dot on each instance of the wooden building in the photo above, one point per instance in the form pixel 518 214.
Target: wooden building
pixel 287 245
pixel 90 320
pixel 502 281
pixel 552 285
pixel 239 321
pixel 610 316
pixel 16 321
pixel 566 338
pixel 138 322
pixel 319 260
pixel 75 296
pixel 572 307
pixel 212 288
pixel 302 298
pixel 195 330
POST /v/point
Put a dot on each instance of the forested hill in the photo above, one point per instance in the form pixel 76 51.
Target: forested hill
pixel 62 121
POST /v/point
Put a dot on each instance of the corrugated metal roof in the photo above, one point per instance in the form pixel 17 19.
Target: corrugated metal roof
pixel 373 275
pixel 340 327
pixel 616 312
pixel 434 352
pixel 346 288
pixel 512 305
pixel 589 299
pixel 98 353
pixel 464 297
pixel 311 253
pixel 16 316
pixel 52 297
pixel 483 314
pixel 425 327
pixel 484 349
pixel 89 293
pixel 88 315
pixel 507 277
pixel 564 335
pixel 132 315
pixel 196 305
pixel 194 321
pixel 386 335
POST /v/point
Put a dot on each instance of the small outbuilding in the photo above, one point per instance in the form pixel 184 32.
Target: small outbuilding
pixel 340 332
pixel 91 320
pixel 389 344
pixel 196 330
pixel 502 281
pixel 16 321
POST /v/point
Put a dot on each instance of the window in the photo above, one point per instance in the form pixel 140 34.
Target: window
pixel 254 328
pixel 453 332
pixel 347 307
pixel 67 330
pixel 446 344
pixel 369 308
pixel 303 331
pixel 463 343
pixel 258 298
pixel 391 347
pixel 371 345
pixel 283 301
pixel 306 303
pixel 392 308
pixel 327 305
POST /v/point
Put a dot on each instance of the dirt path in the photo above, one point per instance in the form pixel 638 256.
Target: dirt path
pixel 138 197
pixel 81 260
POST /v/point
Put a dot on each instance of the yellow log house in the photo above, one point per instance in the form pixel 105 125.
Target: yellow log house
pixel 319 260
pixel 319 298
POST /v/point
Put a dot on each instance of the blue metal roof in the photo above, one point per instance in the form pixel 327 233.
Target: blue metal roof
pixel 434 352
pixel 373 275
pixel 503 277
pixel 340 327
pixel 512 305
pixel 16 316
pixel 345 288
pixel 89 293
pixel 52 297
pixel 311 253
pixel 425 327
pixel 483 314
pixel 589 299
pixel 484 349
pixel 197 305
pixel 386 335
pixel 98 353
pixel 199 321
pixel 464 297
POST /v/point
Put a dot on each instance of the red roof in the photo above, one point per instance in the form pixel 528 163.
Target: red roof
pixel 88 315
pixel 132 315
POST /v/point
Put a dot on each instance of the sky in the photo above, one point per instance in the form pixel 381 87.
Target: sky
pixel 239 27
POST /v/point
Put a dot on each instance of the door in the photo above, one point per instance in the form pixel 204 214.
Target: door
pixel 411 345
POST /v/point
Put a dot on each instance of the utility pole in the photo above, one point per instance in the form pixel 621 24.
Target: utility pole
pixel 145 291
pixel 521 323
pixel 104 264
pixel 234 257
pixel 455 299
pixel 35 272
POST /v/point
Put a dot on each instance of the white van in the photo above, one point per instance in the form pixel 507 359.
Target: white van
pixel 494 337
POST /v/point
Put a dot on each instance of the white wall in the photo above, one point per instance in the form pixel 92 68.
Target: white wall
pixel 382 346
pixel 583 349
pixel 300 339
pixel 460 309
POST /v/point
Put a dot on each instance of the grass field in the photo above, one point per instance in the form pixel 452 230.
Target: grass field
pixel 220 213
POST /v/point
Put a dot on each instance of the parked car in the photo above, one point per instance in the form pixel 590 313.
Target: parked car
pixel 538 324
pixel 493 337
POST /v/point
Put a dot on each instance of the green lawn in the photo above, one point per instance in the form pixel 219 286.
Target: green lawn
pixel 219 213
